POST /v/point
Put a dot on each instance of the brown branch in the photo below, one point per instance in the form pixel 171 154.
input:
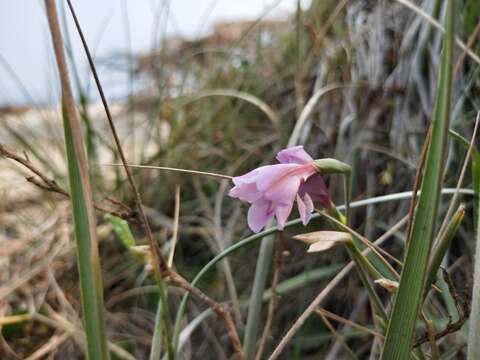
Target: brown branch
pixel 45 183
pixel 49 184
pixel 431 339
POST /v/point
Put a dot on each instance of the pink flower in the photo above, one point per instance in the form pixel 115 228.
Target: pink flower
pixel 273 189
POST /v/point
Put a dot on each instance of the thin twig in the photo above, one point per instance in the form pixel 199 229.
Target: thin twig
pixel 431 339
pixel 221 176
pixel 51 345
pixel 349 322
pixel 50 184
pixel 470 42
pixel 220 309
pixel 176 218
pixel 319 36
pixel 47 184
pixel 335 333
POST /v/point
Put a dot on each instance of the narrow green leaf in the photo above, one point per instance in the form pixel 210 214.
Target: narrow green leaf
pixel 473 352
pixel 88 259
pixel 89 266
pixel 156 348
pixel 443 245
pixel 400 333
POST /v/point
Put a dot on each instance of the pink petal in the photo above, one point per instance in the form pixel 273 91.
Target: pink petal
pixel 259 214
pixel 316 188
pixel 246 192
pixel 305 208
pixel 271 175
pixel 294 155
pixel 282 212
pixel 247 178
pixel 284 191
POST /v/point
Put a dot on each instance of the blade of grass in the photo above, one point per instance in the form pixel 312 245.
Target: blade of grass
pixel 474 329
pixel 400 333
pixel 444 242
pixel 83 213
pixel 156 348
pixel 264 107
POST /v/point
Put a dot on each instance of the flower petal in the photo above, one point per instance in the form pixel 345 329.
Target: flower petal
pixel 316 188
pixel 284 191
pixel 246 192
pixel 305 208
pixel 294 155
pixel 281 213
pixel 247 178
pixel 259 215
pixel 271 174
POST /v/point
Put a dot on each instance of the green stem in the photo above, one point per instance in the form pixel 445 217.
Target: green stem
pixel 362 273
pixel 255 304
pixel 156 349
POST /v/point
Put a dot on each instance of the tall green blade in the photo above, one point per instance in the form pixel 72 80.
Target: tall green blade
pixel 87 257
pixel 82 203
pixel 474 331
pixel 401 330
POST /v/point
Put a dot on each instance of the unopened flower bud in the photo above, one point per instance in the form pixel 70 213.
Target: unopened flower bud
pixel 332 166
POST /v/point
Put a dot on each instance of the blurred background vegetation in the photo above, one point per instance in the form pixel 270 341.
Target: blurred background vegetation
pixel 202 106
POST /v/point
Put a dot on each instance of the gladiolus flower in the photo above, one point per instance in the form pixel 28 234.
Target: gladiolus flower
pixel 272 190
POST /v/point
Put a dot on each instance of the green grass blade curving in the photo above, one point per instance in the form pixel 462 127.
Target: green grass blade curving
pixel 401 329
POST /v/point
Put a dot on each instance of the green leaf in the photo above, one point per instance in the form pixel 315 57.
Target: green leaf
pixel 401 329
pixel 474 335
pixel 87 256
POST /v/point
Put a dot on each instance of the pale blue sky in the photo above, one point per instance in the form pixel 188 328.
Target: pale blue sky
pixel 25 42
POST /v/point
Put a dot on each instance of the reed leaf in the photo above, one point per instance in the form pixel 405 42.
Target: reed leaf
pixel 474 335
pixel 82 204
pixel 401 329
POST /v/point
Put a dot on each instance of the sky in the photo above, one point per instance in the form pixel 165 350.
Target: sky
pixel 27 72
